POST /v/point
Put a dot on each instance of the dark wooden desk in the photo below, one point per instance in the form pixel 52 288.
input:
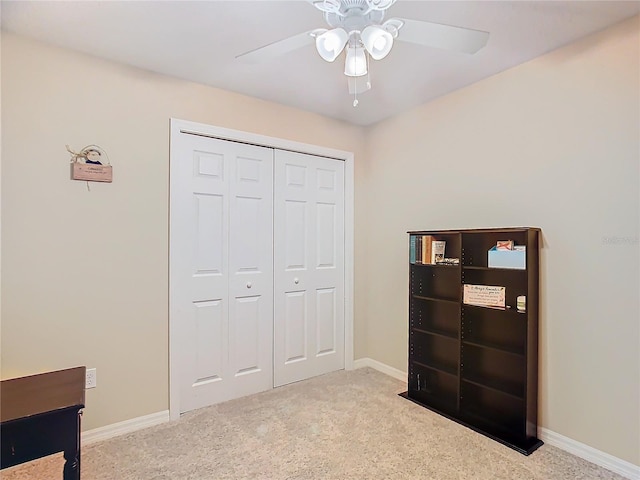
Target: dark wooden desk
pixel 39 416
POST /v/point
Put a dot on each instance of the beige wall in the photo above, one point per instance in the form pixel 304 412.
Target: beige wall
pixel 553 143
pixel 85 273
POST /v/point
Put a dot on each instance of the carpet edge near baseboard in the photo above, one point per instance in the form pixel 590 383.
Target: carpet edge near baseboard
pixel 124 427
pixel 381 367
pixel 593 455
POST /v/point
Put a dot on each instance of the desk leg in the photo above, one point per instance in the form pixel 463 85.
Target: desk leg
pixel 72 465
pixel 72 456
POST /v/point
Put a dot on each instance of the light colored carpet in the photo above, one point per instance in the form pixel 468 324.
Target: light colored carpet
pixel 344 425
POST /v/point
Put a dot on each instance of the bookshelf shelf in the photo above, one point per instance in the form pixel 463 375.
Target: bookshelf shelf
pixel 496 386
pixel 440 265
pixel 439 333
pixel 439 368
pixel 508 310
pixel 493 346
pixel 474 364
pixel 435 299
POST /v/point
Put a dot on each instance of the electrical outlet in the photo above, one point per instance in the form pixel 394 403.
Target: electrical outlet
pixel 91 380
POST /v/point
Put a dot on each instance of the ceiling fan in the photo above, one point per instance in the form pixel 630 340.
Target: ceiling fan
pixel 359 28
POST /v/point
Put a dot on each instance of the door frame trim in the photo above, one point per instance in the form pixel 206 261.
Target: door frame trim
pixel 178 126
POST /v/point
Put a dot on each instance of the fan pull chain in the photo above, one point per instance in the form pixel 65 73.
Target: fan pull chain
pixel 355 82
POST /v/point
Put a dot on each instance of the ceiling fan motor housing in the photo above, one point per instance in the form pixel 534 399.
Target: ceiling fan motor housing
pixel 355 15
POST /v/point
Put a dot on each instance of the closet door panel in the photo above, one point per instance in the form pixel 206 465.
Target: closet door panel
pixel 309 265
pixel 199 248
pixel 222 264
pixel 251 269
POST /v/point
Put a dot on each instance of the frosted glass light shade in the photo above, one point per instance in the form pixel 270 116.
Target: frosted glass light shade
pixel 377 41
pixel 331 43
pixel 356 63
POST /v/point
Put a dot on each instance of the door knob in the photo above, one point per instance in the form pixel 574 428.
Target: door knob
pixel 248 284
pixel 296 281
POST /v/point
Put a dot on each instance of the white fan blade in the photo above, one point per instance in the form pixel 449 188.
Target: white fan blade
pixel 278 48
pixel 447 37
pixel 359 84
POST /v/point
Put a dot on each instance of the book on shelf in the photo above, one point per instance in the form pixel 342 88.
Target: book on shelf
pixel 437 250
pixel 426 250
pixel 427 241
pixel 412 249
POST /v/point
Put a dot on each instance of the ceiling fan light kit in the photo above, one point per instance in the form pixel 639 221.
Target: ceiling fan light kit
pixel 330 43
pixel 358 28
pixel 377 41
pixel 356 63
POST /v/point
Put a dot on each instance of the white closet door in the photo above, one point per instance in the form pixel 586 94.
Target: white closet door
pixel 309 266
pixel 251 270
pixel 222 268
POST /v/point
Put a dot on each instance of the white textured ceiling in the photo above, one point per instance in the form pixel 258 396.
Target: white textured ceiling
pixel 199 40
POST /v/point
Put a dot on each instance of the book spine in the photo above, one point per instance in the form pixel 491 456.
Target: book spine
pixel 426 249
pixel 418 250
pixel 412 249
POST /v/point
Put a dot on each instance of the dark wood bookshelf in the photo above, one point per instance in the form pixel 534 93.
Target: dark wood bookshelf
pixel 477 365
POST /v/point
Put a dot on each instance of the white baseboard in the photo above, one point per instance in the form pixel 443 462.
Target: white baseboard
pixel 381 367
pixel 127 426
pixel 616 465
pixel 602 459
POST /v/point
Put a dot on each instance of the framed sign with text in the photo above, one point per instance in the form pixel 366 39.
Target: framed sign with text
pixel 484 295
pixel 89 165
